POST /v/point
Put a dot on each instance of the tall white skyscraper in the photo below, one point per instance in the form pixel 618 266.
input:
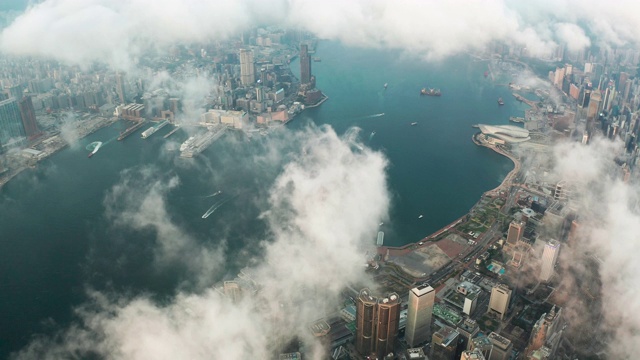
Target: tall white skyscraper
pixel 549 258
pixel 247 68
pixel 421 300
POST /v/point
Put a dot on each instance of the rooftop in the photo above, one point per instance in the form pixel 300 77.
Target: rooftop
pixel 508 133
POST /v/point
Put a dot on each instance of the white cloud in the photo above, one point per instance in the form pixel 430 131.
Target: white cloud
pixel 118 32
pixel 323 214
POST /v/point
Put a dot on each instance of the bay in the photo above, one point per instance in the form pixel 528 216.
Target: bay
pixel 57 240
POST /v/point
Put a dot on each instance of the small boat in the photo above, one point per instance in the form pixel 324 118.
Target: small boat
pixel 414 123
pixel 91 154
pixel 385 85
pixel 486 73
pixel 420 217
pixel 381 224
pixel 500 101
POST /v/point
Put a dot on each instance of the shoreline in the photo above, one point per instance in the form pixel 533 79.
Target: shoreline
pixel 4 179
pixel 507 181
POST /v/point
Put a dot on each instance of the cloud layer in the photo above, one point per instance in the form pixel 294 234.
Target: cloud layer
pixel 322 212
pixel 118 32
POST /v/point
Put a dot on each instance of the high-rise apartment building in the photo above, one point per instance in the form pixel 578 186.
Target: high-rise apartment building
pixel 499 301
pixel 377 322
pixel 549 258
pixel 516 230
pixel 468 329
pixel 419 314
pixel 247 68
pixel 305 64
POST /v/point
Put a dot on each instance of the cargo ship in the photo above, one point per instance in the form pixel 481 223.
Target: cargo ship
pixel 500 101
pixel 430 92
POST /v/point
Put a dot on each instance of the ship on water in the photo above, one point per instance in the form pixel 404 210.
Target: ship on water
pixel 500 101
pixel 414 123
pixel 430 92
pixel 150 131
pixel 196 144
pixel 385 85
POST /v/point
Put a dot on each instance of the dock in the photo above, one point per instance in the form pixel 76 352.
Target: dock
pixel 525 100
pixel 130 130
pixel 171 132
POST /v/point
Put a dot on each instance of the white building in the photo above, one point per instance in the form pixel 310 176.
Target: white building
pixel 549 258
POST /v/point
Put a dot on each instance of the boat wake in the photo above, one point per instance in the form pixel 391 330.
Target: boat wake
pixel 369 116
pixel 215 207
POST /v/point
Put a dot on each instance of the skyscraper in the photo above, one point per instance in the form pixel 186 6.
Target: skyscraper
pixel 305 64
pixel 499 301
pixel 549 257
pixel 11 126
pixel 387 324
pixel 377 321
pixel 247 68
pixel 516 230
pixel 122 95
pixel 594 105
pixel 418 328
pixel 28 115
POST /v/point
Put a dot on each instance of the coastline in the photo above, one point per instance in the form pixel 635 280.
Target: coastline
pixel 4 179
pixel 506 182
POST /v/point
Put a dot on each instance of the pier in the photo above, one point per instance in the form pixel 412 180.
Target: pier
pixel 130 130
pixel 171 132
pixel 525 100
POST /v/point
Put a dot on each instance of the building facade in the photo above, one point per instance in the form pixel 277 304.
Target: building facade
pixel 11 126
pixel 419 314
pixel 377 322
pixel 549 258
pixel 499 301
pixel 516 230
pixel 247 68
pixel 305 64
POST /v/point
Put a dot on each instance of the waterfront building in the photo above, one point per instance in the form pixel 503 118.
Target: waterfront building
pixel 499 301
pixel 507 133
pixel 444 344
pixel 501 347
pixel 120 88
pixel 247 68
pixel 377 322
pixel 11 126
pixel 549 258
pixel 305 64
pixel 28 115
pixel 516 230
pixel 419 314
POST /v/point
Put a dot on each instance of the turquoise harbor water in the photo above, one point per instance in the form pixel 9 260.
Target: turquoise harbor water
pixel 56 241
